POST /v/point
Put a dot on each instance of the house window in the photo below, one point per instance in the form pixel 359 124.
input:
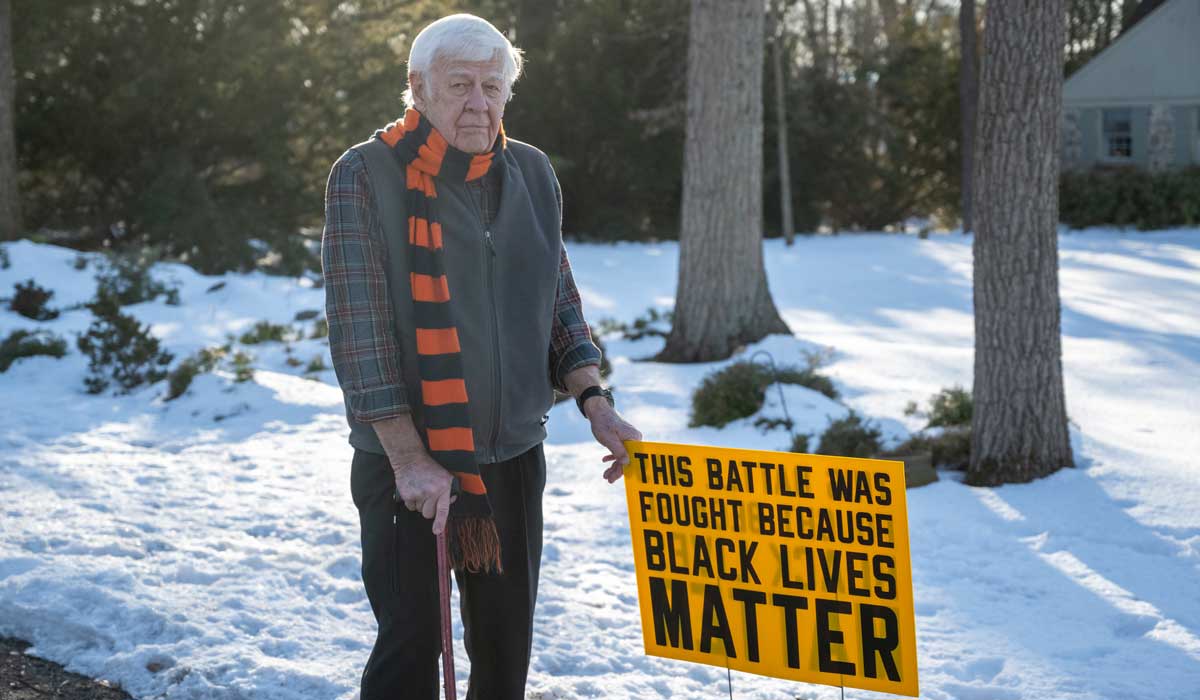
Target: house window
pixel 1118 134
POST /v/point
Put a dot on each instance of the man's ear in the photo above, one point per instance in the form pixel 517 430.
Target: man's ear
pixel 416 85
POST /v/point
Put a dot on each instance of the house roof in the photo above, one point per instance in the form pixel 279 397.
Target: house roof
pixel 1154 61
pixel 1144 8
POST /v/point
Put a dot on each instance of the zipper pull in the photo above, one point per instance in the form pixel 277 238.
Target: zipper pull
pixel 487 237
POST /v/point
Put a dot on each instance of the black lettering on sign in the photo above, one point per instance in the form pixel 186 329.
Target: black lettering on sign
pixel 750 601
pixel 641 460
pixel 785 569
pixel 683 467
pixel 688 510
pixel 805 488
pixel 729 573
pixel 655 561
pixel 672 619
pixel 803 515
pixel 827 637
pixel 883 486
pixel 667 469
pixel 749 473
pixel 841 484
pixel 884 645
pixel 854 574
pixel 851 485
pixel 715 483
pixel 674 566
pixel 791 604
pixel 887 590
pixel 644 505
pixel 714 623
pixel 736 506
pixel 701 558
pixel 883 523
pixel 746 560
pixel 783 486
pixel 831 571
pixel 768 469
pixel 733 478
pixel 766 519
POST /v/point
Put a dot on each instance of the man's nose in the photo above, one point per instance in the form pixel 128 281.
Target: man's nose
pixel 476 101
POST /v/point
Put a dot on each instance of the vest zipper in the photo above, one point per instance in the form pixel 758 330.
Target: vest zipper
pixel 490 254
pixel 491 246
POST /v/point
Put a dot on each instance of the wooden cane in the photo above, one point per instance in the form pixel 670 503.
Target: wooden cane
pixel 443 565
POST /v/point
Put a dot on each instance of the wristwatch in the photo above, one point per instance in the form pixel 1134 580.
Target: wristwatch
pixel 593 390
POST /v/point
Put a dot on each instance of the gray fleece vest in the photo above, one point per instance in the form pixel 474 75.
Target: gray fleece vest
pixel 503 281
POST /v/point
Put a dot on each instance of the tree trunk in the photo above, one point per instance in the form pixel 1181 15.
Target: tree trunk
pixel 968 99
pixel 785 174
pixel 722 301
pixel 10 204
pixel 891 21
pixel 1019 427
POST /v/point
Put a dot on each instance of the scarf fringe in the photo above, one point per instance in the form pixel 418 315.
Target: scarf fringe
pixel 474 544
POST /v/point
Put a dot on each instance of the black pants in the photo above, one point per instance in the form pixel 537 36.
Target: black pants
pixel 399 570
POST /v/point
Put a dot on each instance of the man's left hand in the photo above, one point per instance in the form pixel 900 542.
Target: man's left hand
pixel 610 430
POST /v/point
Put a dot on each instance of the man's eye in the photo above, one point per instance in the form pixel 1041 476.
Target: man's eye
pixel 493 89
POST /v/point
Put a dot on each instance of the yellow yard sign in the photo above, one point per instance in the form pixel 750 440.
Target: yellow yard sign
pixel 787 565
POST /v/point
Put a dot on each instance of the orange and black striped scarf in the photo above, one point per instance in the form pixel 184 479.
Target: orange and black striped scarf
pixel 471 530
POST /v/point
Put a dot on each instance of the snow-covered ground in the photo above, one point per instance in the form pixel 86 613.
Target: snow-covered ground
pixel 208 547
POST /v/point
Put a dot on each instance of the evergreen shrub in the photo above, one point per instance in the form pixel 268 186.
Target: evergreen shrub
pixel 29 300
pixel 851 437
pixel 126 278
pixel 1130 197
pixel 23 343
pixel 950 411
pixel 652 323
pixel 738 390
pixel 948 408
pixel 205 360
pixel 264 332
pixel 120 350
pixel 243 369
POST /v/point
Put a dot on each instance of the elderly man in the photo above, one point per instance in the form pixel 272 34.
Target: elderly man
pixel 452 317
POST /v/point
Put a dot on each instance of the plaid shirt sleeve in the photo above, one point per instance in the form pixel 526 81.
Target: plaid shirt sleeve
pixel 571 345
pixel 366 356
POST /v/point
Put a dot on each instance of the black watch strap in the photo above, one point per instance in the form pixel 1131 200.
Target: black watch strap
pixel 593 390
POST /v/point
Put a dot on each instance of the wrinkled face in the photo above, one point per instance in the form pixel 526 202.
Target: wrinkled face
pixel 464 100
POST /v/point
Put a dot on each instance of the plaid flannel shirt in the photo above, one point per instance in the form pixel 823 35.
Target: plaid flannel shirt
pixel 366 356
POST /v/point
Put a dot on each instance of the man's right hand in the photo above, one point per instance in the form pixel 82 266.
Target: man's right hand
pixel 424 486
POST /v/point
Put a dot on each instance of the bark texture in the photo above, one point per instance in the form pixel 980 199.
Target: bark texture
pixel 10 204
pixel 785 169
pixel 1019 428
pixel 968 99
pixel 722 301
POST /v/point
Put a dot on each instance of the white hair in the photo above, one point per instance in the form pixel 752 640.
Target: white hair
pixel 462 37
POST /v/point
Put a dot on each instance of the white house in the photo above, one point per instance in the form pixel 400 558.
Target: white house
pixel 1137 103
